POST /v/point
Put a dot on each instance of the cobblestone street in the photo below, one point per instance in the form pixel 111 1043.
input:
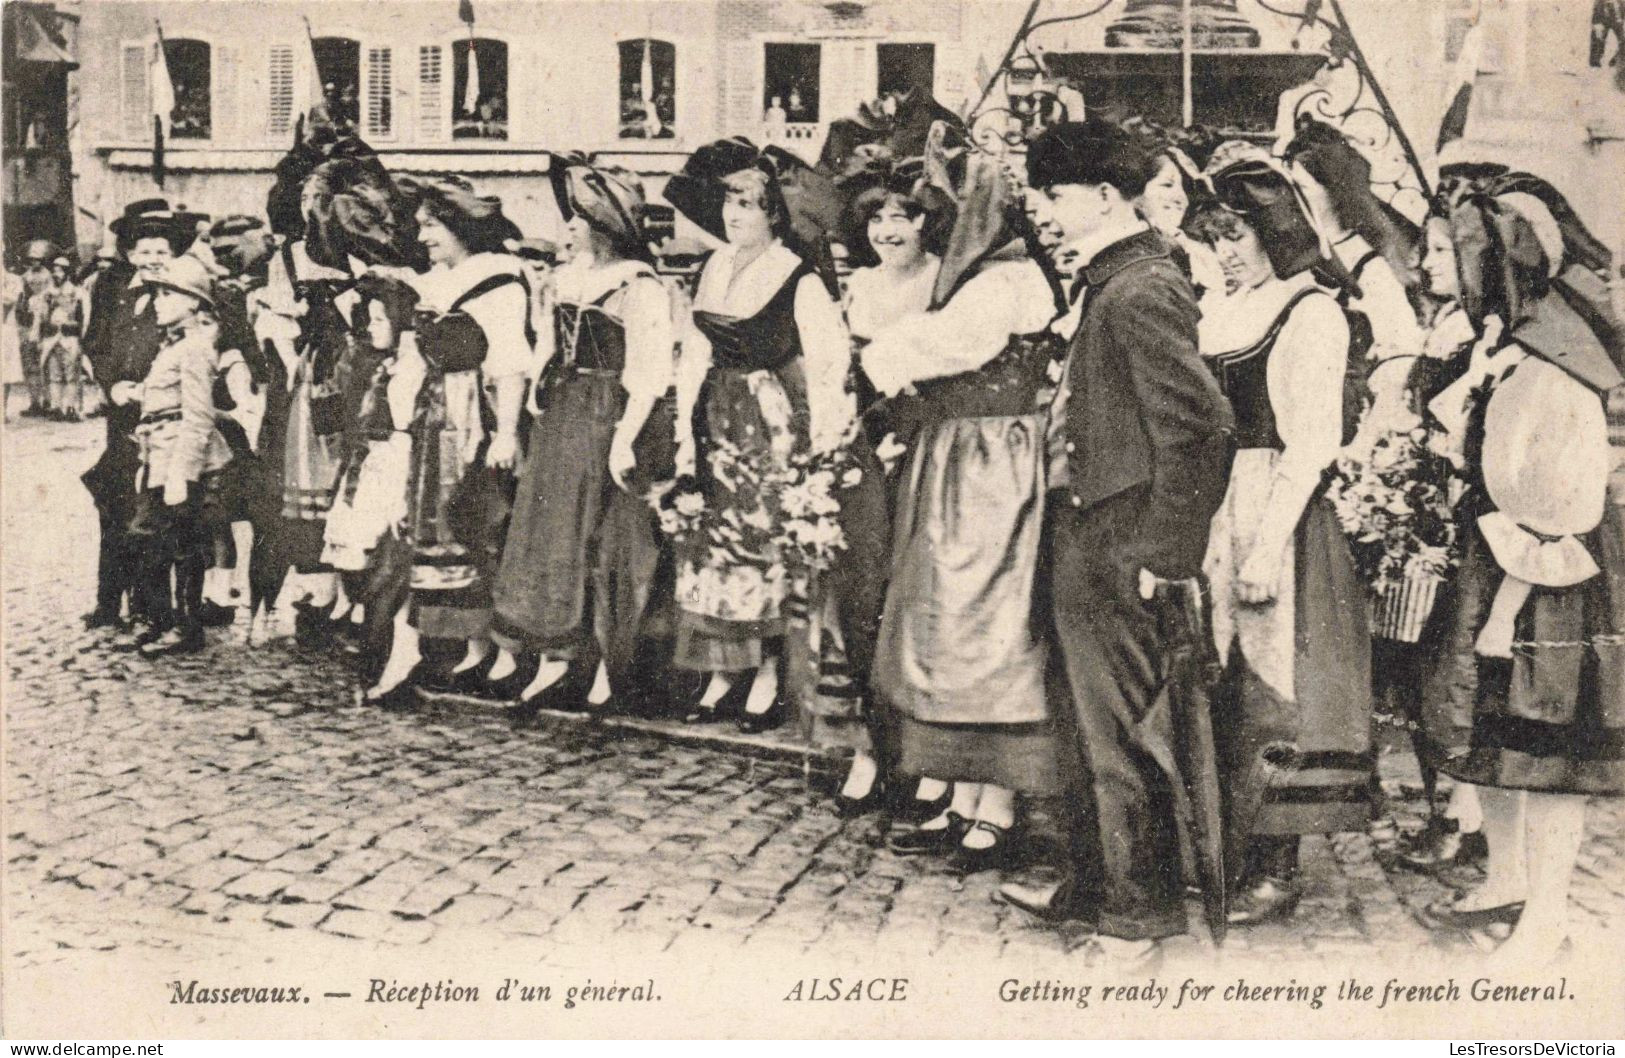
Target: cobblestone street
pixel 200 803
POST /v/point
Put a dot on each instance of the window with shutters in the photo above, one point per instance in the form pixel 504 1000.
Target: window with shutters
pixel 191 77
pixel 648 89
pixel 135 101
pixel 479 90
pixel 431 104
pixel 279 91
pixel 380 93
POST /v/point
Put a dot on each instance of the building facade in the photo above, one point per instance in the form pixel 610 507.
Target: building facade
pixel 641 83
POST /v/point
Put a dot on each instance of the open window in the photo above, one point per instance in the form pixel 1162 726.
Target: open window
pixel 648 97
pixel 479 90
pixel 189 73
pixel 903 69
pixel 790 83
pixel 338 66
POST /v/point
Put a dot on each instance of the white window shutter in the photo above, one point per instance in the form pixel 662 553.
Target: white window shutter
pixel 228 64
pixel 279 90
pixel 380 93
pixel 431 94
pixel 137 106
pixel 742 88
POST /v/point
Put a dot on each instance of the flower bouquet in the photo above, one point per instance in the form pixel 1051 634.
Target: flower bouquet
pixel 1395 505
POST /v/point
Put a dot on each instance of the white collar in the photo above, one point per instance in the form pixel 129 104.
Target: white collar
pixel 1237 320
pixel 1086 248
pixel 743 295
pixel 440 286
pixel 582 285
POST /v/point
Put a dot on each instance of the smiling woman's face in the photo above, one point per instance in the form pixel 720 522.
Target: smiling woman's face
pixel 443 246
pixel 1163 202
pixel 894 235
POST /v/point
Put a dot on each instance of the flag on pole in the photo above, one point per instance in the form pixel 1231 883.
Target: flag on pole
pixel 471 84
pixel 161 89
pixel 646 85
pixel 1459 95
pixel 315 92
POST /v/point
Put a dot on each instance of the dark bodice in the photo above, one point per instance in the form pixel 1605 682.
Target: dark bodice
pixel 1243 376
pixel 588 337
pixel 1013 383
pixel 766 341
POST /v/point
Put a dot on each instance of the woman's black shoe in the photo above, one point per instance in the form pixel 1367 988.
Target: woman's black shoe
pixel 100 618
pixel 729 707
pixel 508 687
pixel 915 810
pixel 768 719
pixel 919 841
pixel 567 694
pixel 852 807
pixel 399 696
pixel 1442 915
pixel 997 856
pixel 1443 845
pixel 471 681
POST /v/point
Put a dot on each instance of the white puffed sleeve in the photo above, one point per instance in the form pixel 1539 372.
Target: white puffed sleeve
pixel 827 351
pixel 971 329
pixel 1545 466
pixel 646 314
pixel 1305 380
pixel 1394 327
pixel 501 314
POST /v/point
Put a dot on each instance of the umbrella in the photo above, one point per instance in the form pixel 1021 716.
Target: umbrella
pixel 1177 732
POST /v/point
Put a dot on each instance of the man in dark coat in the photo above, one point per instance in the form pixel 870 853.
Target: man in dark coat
pixel 122 337
pixel 1140 455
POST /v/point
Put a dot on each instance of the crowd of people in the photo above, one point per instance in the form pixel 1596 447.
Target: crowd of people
pixel 45 304
pixel 1136 477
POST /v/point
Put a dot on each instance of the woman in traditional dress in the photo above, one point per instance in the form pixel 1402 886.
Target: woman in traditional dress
pixel 583 550
pixel 959 660
pixel 1532 695
pixel 1293 717
pixel 762 375
pixel 304 313
pixel 894 227
pixel 473 329
pixel 182 452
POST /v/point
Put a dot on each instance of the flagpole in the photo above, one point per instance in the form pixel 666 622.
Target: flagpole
pixel 159 121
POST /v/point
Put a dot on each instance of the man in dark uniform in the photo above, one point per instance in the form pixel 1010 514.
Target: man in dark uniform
pixel 1140 454
pixel 122 338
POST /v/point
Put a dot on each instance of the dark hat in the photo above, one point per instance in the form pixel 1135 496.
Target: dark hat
pixel 1091 151
pixel 235 224
pixel 1265 197
pixel 611 201
pixel 807 197
pixel 153 216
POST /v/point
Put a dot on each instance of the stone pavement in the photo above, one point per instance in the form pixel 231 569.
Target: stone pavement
pixel 194 804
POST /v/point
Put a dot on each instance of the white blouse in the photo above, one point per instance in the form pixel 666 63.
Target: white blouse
pixel 825 346
pixel 643 305
pixel 1004 299
pixel 874 300
pixel 501 313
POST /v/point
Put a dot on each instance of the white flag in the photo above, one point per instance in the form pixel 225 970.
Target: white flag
pixel 471 88
pixel 162 87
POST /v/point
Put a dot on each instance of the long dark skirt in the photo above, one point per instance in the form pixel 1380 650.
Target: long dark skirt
pixel 1304 766
pixel 578 568
pixel 1551 718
